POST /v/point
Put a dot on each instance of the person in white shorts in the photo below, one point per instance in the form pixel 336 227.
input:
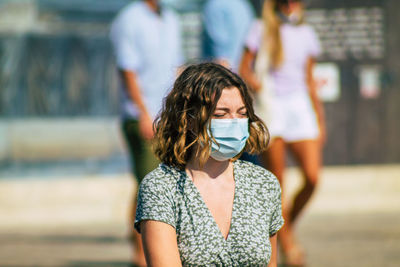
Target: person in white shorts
pixel 277 64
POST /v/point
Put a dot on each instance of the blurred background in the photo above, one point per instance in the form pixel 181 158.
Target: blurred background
pixel 64 174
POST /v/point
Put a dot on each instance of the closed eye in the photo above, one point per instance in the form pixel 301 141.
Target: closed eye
pixel 219 115
pixel 242 111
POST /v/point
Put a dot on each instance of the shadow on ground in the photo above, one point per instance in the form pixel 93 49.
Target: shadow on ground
pixel 61 239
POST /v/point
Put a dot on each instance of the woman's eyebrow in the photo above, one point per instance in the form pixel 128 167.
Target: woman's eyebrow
pixel 227 109
pixel 222 108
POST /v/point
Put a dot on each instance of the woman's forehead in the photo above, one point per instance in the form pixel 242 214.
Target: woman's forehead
pixel 230 95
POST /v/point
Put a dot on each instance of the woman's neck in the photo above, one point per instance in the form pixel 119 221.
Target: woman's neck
pixel 212 169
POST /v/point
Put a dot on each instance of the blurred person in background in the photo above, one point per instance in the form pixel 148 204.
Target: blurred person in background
pixel 202 206
pixel 278 64
pixel 147 47
pixel 225 27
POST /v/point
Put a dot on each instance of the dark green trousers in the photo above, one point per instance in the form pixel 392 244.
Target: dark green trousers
pixel 142 158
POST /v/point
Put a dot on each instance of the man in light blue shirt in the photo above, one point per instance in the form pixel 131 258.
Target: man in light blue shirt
pixel 147 45
pixel 225 27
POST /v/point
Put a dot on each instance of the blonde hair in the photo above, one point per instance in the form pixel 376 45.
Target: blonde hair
pixel 181 130
pixel 272 35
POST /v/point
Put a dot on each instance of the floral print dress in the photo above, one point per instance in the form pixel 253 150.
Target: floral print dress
pixel 168 195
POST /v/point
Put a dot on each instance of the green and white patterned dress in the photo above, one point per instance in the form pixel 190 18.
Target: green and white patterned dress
pixel 168 195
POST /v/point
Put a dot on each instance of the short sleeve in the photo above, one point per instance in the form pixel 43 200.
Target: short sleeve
pixel 253 39
pixel 314 43
pixel 276 217
pixel 123 40
pixel 154 201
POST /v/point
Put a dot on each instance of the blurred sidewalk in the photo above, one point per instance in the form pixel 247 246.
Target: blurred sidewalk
pixel 81 220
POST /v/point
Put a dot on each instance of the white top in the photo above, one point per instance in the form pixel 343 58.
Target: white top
pixel 299 42
pixel 149 45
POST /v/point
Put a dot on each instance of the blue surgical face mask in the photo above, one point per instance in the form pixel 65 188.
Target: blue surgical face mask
pixel 231 136
pixel 293 18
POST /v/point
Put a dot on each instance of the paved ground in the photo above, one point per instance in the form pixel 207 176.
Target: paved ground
pixel 80 220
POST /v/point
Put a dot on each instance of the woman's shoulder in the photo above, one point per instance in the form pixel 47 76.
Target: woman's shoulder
pixel 257 26
pixel 254 35
pixel 307 29
pixel 255 173
pixel 163 177
pixel 257 181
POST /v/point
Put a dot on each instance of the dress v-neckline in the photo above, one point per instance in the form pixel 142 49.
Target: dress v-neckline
pixel 210 215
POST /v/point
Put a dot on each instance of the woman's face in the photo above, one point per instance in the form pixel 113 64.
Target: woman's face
pixel 292 7
pixel 230 105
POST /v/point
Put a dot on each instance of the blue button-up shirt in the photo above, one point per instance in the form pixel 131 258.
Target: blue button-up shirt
pixel 226 24
pixel 149 45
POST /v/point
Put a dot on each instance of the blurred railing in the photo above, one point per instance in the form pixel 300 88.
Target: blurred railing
pixel 62 64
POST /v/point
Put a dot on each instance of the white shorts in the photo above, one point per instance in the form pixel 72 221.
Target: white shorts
pixel 293 118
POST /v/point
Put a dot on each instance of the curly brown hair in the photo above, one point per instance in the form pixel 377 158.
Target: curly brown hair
pixel 185 118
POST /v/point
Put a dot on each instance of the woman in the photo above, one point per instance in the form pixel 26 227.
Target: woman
pixel 282 50
pixel 201 207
